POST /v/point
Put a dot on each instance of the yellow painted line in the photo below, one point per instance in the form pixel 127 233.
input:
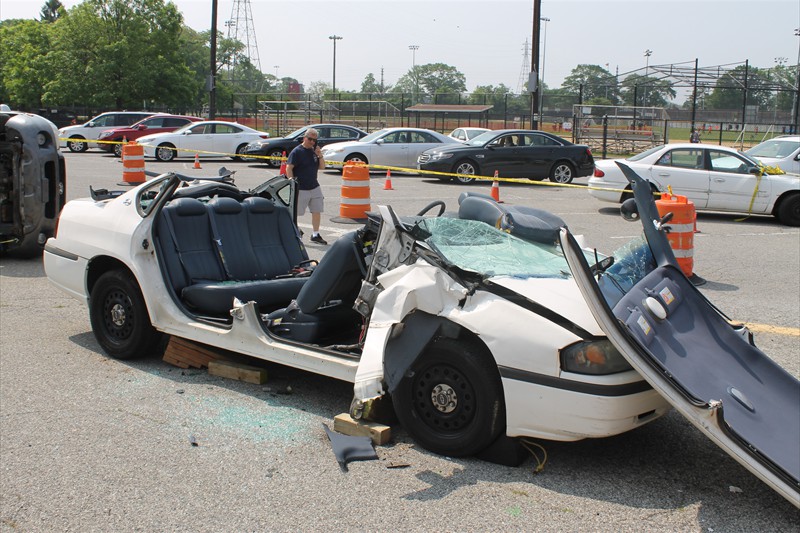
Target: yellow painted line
pixel 769 328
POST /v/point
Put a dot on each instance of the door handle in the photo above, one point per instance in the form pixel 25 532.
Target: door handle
pixel 663 174
pixel 719 180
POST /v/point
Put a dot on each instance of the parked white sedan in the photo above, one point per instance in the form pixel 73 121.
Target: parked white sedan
pixel 715 178
pixel 210 138
pixel 782 152
pixel 391 147
pixel 466 134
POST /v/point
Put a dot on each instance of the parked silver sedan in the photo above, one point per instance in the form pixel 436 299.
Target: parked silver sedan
pixel 391 147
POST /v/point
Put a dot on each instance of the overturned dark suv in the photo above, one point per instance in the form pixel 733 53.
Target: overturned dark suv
pixel 32 182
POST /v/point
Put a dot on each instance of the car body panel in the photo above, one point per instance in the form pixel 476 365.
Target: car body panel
pixel 206 139
pixel 391 147
pixel 715 178
pixel 527 154
pixel 707 368
pixel 328 134
pixel 32 182
pixel 160 123
pixel 92 129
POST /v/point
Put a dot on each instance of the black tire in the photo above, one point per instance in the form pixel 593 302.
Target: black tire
pixel 77 146
pixel 451 400
pixel 562 172
pixel 356 158
pixel 117 149
pixel 119 317
pixel 239 150
pixel 165 152
pixel 275 153
pixel 465 168
pixel 789 210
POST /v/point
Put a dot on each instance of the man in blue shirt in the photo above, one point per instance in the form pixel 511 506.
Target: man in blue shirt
pixel 302 165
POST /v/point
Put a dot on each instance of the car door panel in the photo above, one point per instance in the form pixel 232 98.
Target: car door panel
pixel 733 187
pixel 684 170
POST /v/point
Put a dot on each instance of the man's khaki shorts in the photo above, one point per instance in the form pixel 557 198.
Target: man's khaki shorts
pixel 313 200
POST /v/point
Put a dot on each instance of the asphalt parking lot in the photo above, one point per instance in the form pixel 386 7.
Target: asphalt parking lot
pixel 90 443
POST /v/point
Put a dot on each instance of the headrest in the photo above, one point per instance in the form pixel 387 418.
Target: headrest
pixel 188 207
pixel 256 204
pixel 225 206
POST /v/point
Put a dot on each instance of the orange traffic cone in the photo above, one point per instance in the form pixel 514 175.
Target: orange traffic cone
pixel 496 187
pixel 387 185
pixel 197 161
pixel 282 171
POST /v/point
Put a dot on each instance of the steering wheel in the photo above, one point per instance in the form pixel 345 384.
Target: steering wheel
pixel 431 206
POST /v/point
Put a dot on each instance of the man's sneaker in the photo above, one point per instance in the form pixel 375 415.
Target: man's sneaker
pixel 318 239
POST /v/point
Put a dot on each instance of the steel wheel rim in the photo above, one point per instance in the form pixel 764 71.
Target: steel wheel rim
pixel 443 398
pixel 118 315
pixel 76 146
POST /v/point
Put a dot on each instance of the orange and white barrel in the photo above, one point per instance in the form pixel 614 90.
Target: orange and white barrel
pixel 133 164
pixel 355 191
pixel 681 235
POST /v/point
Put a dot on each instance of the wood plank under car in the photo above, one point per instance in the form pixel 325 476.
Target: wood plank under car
pixel 184 353
pixel 238 371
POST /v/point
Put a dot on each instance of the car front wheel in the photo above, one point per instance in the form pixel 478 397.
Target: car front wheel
pixel 451 399
pixel 239 152
pixel 118 150
pixel 119 317
pixel 465 170
pixel 165 152
pixel 562 172
pixel 78 145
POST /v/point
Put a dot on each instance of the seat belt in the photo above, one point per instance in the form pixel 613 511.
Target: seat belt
pixel 218 242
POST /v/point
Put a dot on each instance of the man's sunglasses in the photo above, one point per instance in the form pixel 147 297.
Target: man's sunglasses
pixel 311 138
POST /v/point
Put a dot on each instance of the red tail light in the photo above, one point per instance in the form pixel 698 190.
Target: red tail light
pixel 598 173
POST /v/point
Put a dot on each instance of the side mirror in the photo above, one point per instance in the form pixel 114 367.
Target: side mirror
pixel 629 210
pixel 187 132
pixel 754 170
pixel 90 124
pixel 141 127
pixel 379 141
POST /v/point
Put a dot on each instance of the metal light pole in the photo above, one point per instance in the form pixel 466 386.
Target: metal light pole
pixel 796 103
pixel 276 67
pixel 646 75
pixel 212 84
pixel 334 38
pixel 414 48
pixel 544 56
pixel 533 79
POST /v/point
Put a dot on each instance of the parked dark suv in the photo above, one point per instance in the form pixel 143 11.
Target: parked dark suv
pixel 33 182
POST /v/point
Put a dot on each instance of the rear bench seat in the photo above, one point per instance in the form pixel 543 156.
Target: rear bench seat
pixel 227 249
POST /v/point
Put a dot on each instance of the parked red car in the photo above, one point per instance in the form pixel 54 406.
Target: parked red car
pixel 160 123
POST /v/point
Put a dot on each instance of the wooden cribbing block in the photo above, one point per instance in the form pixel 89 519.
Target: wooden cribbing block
pixel 185 353
pixel 238 371
pixel 345 424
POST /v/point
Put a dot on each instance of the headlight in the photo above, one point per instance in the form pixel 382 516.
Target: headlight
pixel 593 357
pixel 438 156
pixel 104 135
pixel 255 145
pixel 329 151
pixel 41 138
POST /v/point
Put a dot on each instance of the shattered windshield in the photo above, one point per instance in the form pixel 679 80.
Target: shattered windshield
pixel 478 247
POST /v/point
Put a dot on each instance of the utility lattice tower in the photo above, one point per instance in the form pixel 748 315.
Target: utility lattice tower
pixel 525 71
pixel 241 28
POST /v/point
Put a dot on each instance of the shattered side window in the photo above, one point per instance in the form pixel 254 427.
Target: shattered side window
pixel 632 262
pixel 479 247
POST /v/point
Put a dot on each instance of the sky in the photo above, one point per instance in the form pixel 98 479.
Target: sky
pixel 485 39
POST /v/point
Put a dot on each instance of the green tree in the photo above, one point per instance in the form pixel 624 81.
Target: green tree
pixel 120 53
pixel 594 81
pixel 370 86
pixel 649 91
pixel 728 92
pixel 51 10
pixel 24 65
pixel 431 79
